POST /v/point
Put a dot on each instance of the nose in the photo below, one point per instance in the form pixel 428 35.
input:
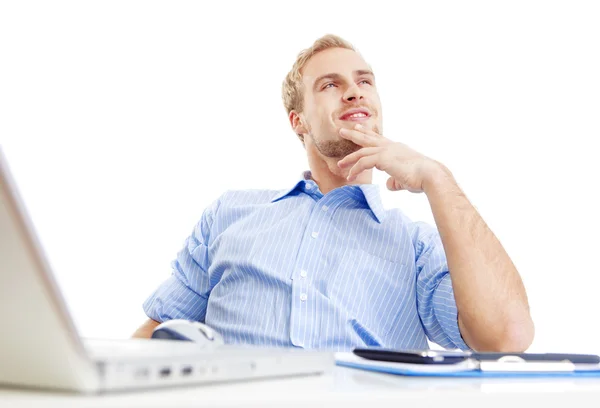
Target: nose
pixel 352 94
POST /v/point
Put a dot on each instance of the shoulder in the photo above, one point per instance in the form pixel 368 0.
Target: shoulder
pixel 231 207
pixel 235 205
pixel 247 197
pixel 237 199
pixel 421 232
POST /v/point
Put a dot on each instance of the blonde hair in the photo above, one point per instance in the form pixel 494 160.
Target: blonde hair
pixel 292 94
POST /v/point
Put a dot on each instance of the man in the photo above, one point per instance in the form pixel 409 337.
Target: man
pixel 323 264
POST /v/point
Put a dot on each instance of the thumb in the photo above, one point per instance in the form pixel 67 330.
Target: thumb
pixel 393 185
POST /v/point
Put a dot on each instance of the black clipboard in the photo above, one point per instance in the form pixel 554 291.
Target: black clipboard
pixel 453 357
pixel 441 363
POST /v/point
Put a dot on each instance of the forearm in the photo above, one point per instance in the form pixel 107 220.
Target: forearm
pixel 490 297
pixel 145 330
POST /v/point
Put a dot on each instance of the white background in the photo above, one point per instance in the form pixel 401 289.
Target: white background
pixel 123 120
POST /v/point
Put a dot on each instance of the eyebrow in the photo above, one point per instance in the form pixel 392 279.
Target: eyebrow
pixel 334 76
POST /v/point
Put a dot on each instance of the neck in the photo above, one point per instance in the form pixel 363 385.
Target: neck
pixel 328 176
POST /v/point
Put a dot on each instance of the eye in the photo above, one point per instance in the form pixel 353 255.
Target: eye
pixel 327 85
pixel 365 80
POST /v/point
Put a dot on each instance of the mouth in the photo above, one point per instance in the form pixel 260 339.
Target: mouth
pixel 356 115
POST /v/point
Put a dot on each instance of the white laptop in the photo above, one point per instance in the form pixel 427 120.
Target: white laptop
pixel 40 347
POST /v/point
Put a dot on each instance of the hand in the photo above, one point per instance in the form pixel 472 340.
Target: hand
pixel 409 170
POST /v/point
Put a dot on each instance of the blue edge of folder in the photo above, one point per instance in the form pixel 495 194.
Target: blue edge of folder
pixel 470 373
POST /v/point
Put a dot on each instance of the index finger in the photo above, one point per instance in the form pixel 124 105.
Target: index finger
pixel 359 138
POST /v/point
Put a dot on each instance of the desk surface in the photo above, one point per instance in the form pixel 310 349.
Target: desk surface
pixel 342 387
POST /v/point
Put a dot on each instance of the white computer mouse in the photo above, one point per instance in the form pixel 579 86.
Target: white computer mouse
pixel 187 330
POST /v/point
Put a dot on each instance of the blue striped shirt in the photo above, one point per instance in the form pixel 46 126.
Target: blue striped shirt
pixel 298 268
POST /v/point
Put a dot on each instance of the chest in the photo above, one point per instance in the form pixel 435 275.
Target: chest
pixel 333 243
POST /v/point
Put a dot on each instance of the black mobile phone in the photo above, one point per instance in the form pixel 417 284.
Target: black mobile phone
pixel 413 357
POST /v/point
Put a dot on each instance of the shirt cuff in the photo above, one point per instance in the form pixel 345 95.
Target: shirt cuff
pixel 174 300
pixel 446 313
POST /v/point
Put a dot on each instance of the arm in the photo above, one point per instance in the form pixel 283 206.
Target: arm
pixel 184 295
pixel 493 311
pixel 435 298
pixel 145 330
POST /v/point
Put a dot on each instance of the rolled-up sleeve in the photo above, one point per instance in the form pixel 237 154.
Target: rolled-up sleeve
pixel 184 295
pixel 435 297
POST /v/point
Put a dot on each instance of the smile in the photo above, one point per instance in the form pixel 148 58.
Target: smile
pixel 356 115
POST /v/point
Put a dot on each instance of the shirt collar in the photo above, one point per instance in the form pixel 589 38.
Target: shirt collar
pixel 300 183
pixel 373 198
pixel 368 193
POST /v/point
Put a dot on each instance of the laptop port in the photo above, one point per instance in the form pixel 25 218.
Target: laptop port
pixel 187 370
pixel 164 372
pixel 141 373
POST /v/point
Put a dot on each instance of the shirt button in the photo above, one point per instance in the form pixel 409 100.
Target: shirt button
pixel 309 186
pixel 314 234
pixel 303 297
pixel 303 273
pixel 325 208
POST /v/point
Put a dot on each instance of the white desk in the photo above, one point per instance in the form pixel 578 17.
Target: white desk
pixel 342 387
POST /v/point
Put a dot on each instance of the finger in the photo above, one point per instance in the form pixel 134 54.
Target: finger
pixel 367 131
pixel 354 157
pixel 365 163
pixel 360 138
pixel 392 185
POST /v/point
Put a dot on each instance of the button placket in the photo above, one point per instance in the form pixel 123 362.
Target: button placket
pixel 301 282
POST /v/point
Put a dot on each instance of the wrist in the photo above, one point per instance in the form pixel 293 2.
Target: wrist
pixel 438 179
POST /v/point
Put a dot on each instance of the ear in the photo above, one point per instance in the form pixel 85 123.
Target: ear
pixel 297 124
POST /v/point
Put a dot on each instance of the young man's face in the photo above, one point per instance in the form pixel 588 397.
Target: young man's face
pixel 339 92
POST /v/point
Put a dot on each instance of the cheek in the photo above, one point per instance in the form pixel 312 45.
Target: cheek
pixel 321 118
